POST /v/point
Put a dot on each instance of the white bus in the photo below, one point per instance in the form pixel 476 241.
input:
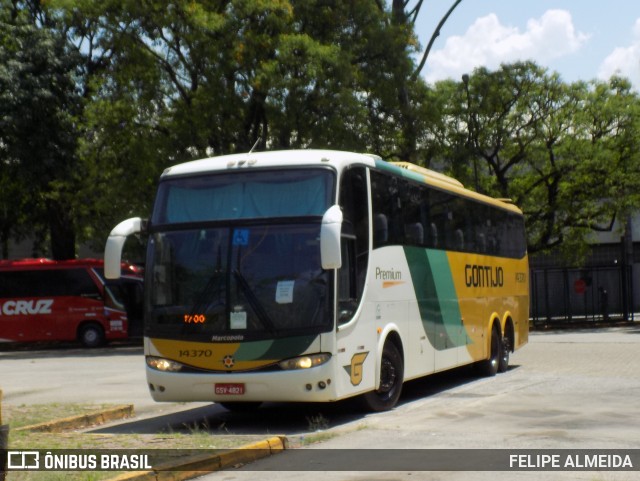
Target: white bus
pixel 311 275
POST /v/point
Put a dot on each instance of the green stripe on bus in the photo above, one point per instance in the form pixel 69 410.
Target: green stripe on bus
pixel 427 296
pixel 436 297
pixel 274 349
pixel 448 298
pixel 399 171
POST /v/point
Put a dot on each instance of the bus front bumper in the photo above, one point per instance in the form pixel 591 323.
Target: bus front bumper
pixel 315 384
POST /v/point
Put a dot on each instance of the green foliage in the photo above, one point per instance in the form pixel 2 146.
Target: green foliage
pixel 565 153
pixel 166 84
pixel 39 105
pixel 97 98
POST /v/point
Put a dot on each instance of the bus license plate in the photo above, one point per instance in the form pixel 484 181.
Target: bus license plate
pixel 227 388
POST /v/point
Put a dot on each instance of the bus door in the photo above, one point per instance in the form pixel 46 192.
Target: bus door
pixel 126 294
pixel 77 298
pixel 354 202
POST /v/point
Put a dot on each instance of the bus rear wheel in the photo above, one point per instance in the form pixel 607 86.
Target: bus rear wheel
pixel 391 378
pixel 503 364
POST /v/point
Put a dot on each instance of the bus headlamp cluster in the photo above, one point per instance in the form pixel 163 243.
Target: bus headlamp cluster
pixel 161 364
pixel 304 362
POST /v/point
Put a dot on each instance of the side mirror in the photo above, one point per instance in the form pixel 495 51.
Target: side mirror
pixel 330 246
pixel 115 243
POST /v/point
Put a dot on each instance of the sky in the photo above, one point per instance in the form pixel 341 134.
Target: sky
pixel 579 39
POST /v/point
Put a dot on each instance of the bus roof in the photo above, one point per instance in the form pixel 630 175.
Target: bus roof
pixel 335 158
pixel 444 182
pixel 50 263
pixel 279 158
pixel 44 261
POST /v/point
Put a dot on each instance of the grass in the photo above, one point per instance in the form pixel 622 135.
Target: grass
pixel 316 438
pixel 317 422
pixel 26 415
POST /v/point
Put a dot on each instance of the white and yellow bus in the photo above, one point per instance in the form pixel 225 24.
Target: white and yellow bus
pixel 313 275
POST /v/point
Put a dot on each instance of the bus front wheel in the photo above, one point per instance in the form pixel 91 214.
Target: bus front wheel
pixel 391 378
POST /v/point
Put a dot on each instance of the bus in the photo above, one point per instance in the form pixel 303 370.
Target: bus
pixel 313 275
pixel 47 300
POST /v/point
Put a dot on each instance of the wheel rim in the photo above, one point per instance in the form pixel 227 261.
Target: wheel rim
pixel 495 348
pixel 388 376
pixel 506 347
pixel 90 335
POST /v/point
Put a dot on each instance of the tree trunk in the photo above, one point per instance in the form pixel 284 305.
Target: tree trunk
pixel 62 231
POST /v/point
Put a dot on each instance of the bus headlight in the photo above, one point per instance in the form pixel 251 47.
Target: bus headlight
pixel 304 362
pixel 162 364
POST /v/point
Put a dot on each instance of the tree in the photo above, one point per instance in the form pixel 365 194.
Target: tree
pixel 159 84
pixel 563 152
pixel 403 77
pixel 38 107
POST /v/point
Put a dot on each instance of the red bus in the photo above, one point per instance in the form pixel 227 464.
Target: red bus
pixel 45 300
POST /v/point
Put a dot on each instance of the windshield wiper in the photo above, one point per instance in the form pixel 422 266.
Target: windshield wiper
pixel 263 316
pixel 203 299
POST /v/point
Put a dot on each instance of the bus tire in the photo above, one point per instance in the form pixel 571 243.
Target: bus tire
pixel 391 378
pixel 503 364
pixel 489 367
pixel 91 335
pixel 240 406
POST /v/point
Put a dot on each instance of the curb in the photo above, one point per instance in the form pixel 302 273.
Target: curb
pixel 82 420
pixel 200 465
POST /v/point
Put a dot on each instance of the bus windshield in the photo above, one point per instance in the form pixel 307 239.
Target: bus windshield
pixel 238 283
pixel 236 256
pixel 244 195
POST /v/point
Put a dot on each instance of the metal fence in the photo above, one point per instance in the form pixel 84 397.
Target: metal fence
pixel 582 294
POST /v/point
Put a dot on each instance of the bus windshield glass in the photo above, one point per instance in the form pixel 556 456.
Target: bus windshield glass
pixel 236 255
pixel 244 195
pixel 238 283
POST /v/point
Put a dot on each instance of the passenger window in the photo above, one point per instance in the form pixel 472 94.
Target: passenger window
pixel 50 282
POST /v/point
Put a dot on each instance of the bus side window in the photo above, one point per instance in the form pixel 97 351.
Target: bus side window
pixel 433 235
pixel 414 234
pixel 381 229
pixel 347 276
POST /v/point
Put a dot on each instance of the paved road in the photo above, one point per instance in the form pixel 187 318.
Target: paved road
pixel 73 375
pixel 565 390
pixel 574 390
